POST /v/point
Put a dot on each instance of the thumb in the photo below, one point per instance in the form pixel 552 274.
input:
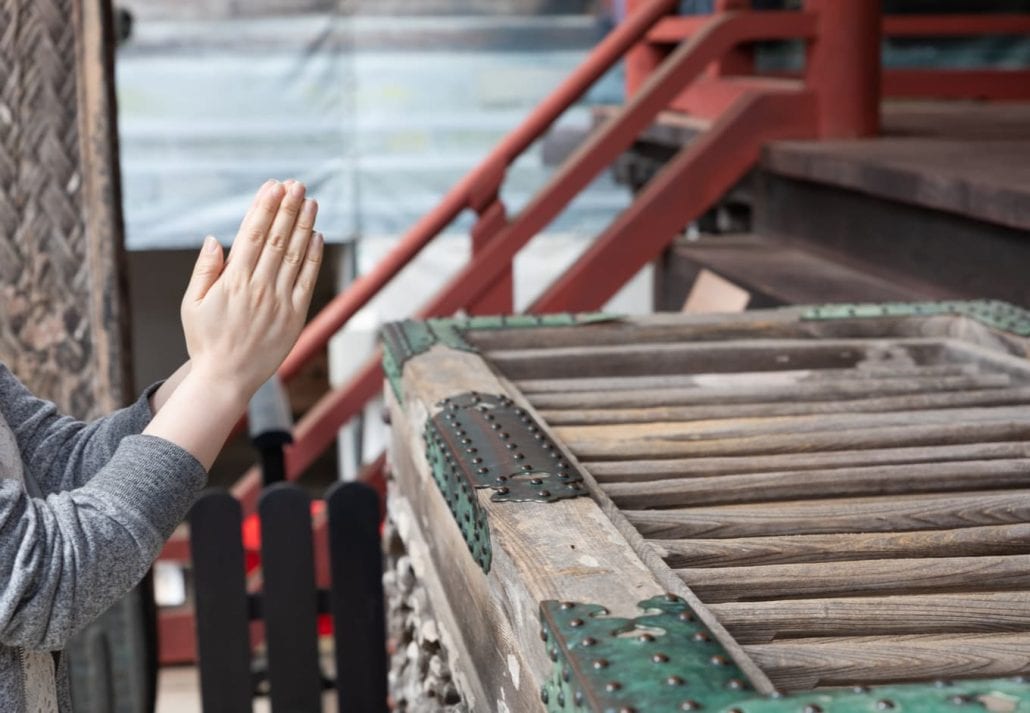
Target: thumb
pixel 206 270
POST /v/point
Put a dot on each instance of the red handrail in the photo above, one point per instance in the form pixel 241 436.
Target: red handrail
pixel 477 187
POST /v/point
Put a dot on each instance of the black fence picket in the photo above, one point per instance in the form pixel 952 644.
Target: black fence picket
pixel 290 601
pixel 223 634
pixel 356 599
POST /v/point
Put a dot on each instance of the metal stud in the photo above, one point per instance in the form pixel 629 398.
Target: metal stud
pixel 544 695
pixel 701 636
pixel 735 684
pixel 884 704
pixel 812 708
pixel 660 658
pixel 645 638
pixel 675 681
pixel 577 622
pixel 690 705
pixel 588 641
pixel 718 660
pixel 600 663
pixel 612 686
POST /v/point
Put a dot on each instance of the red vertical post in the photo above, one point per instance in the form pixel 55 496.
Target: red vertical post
pixel 500 298
pixel 644 58
pixel 741 59
pixel 843 66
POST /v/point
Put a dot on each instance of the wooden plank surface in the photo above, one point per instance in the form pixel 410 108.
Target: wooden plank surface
pixel 772 393
pixel 838 482
pixel 677 358
pixel 880 514
pixel 786 549
pixel 806 663
pixel 823 503
pixel 577 416
pixel 827 579
pixel 831 440
pixel 648 470
pixel 531 387
pixel 968 612
pixel 767 425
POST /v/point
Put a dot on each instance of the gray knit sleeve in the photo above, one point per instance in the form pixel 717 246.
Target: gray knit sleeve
pixel 62 453
pixel 66 558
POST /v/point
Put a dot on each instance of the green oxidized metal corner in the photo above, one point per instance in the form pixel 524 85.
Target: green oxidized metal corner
pixel 993 313
pixel 666 661
pixel 460 497
pixel 409 338
pixel 486 441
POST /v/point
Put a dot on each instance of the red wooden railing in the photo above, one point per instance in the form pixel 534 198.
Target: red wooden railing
pixel 701 65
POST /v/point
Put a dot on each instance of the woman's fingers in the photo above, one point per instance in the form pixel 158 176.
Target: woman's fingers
pixel 305 286
pixel 206 270
pixel 280 234
pixel 297 249
pixel 247 247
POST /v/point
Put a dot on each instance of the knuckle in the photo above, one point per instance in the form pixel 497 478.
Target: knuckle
pixel 276 241
pixel 254 235
pixel 292 257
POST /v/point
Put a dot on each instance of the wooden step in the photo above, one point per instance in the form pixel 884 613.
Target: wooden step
pixel 777 273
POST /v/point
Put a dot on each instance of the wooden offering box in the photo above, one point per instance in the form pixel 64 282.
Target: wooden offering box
pixel 806 509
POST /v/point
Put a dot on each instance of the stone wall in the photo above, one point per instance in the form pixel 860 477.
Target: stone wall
pixel 420 675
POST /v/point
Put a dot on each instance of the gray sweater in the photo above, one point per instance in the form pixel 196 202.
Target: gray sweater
pixel 84 510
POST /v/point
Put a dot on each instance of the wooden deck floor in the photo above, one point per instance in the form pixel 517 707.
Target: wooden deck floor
pixel 967 158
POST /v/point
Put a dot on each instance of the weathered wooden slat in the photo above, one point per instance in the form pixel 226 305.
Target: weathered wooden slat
pixel 806 663
pixel 752 378
pixel 667 327
pixel 839 482
pixel 787 549
pixel 642 359
pixel 829 391
pixel 647 470
pixel 614 448
pixel 881 404
pixel 858 577
pixel 762 622
pixel 747 427
pixel 882 514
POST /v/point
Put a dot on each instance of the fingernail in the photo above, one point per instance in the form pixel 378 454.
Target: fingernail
pixel 210 244
pixel 319 239
pixel 268 183
pixel 296 189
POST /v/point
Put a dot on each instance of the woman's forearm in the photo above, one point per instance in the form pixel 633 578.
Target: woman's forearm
pixel 199 415
pixel 164 392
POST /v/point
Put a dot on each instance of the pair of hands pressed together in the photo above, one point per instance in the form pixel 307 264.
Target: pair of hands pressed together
pixel 241 317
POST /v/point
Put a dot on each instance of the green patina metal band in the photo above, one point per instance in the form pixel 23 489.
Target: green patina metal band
pixel 409 338
pixel 460 497
pixel 485 441
pixel 993 313
pixel 665 661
